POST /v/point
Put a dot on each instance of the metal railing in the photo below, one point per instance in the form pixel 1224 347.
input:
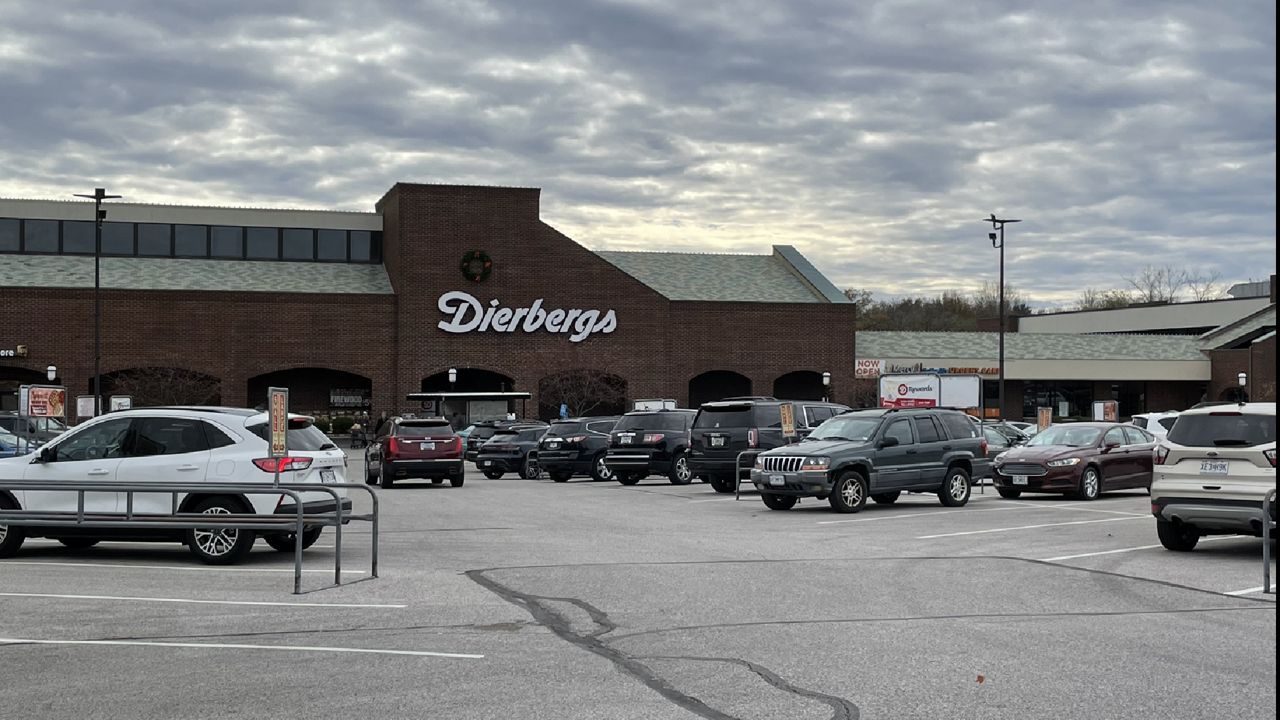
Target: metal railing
pixel 737 472
pixel 296 522
pixel 1268 525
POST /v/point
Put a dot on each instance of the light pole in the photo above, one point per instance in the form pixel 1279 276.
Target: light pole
pixel 51 372
pixel 998 243
pixel 99 215
pixel 1243 379
pixel 826 383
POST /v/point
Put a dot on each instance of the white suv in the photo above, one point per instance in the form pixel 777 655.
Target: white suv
pixel 1157 423
pixel 1212 472
pixel 174 445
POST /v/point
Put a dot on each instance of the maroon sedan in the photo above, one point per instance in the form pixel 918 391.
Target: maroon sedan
pixel 1079 459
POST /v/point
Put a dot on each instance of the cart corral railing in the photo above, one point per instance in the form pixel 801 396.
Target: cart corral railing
pixel 295 522
pixel 1268 532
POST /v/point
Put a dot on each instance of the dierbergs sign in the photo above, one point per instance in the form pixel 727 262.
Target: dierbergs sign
pixel 464 313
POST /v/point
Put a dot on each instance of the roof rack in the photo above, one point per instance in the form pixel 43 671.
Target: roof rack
pixel 748 397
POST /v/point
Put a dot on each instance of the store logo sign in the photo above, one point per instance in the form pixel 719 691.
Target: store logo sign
pixel 464 313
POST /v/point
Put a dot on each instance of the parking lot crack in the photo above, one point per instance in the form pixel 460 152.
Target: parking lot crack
pixel 843 709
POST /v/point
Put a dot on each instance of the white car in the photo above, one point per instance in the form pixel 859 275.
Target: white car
pixel 175 445
pixel 1157 423
pixel 1212 472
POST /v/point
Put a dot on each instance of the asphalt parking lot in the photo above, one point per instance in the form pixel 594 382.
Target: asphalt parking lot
pixel 529 599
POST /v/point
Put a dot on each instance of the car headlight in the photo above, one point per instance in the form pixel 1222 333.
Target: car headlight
pixel 1000 458
pixel 759 462
pixel 816 463
pixel 1064 462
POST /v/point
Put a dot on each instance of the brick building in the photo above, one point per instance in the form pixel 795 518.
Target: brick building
pixel 358 310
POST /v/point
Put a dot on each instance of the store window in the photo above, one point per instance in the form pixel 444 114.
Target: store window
pixel 299 244
pixel 191 240
pixel 117 238
pixel 154 240
pixel 331 245
pixel 1069 399
pixel 262 243
pixel 41 236
pixel 361 246
pixel 226 242
pixel 77 237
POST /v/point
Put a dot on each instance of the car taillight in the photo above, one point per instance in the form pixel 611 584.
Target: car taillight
pixel 653 437
pixel 576 439
pixel 457 443
pixel 1271 456
pixel 1161 454
pixel 393 447
pixel 983 446
pixel 753 438
pixel 284 464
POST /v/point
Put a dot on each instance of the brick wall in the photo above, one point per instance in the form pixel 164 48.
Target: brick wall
pixel 1262 384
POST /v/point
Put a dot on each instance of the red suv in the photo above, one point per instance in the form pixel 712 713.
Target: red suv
pixel 415 448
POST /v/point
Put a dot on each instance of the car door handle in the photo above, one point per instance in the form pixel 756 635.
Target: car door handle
pixel 188 468
pixel 1211 487
pixel 946 447
pixel 911 452
pixel 99 471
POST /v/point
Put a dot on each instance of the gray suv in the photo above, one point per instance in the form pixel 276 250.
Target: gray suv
pixel 877 453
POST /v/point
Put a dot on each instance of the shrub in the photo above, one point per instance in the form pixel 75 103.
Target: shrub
pixel 342 424
pixel 322 423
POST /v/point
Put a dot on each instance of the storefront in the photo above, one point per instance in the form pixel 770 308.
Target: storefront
pixel 441 289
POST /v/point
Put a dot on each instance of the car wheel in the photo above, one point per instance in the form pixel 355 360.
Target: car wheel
pixel 629 478
pixel 11 537
pixel 284 542
pixel 680 473
pixel 850 493
pixel 779 502
pixel 1177 537
pixel 370 477
pixel 78 543
pixel 493 474
pixel 218 546
pixel 1090 484
pixel 956 488
pixel 561 476
pixel 1009 493
pixel 723 483
pixel 384 478
pixel 529 469
pixel 887 498
pixel 457 481
pixel 599 470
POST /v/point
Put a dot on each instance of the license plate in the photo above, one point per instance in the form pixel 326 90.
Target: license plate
pixel 624 439
pixel 327 476
pixel 553 445
pixel 427 446
pixel 486 463
pixel 1213 467
pixel 777 480
pixel 1019 479
pixel 717 441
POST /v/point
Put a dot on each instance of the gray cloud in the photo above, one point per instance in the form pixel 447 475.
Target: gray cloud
pixel 874 136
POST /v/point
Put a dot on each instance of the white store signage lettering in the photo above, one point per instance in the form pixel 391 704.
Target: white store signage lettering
pixel 464 313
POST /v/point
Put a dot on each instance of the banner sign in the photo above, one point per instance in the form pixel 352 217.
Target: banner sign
pixel 868 368
pixel 43 401
pixel 910 391
pixel 278 404
pixel 464 313
pixel 349 397
pixel 788 420
pixel 920 367
pixel 1044 417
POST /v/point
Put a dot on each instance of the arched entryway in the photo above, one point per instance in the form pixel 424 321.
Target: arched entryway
pixel 12 378
pixel 799 385
pixel 717 384
pixel 316 391
pixel 584 392
pixel 469 380
pixel 152 386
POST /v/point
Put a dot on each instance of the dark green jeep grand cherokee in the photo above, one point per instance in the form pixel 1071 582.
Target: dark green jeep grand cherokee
pixel 877 453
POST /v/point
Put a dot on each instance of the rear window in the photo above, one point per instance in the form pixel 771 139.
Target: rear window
pixel 1224 430
pixel 602 426
pixel 482 432
pixel 1140 422
pixel 1167 423
pixel 420 428
pixel 652 421
pixel 958 426
pixel 302 435
pixel 565 429
pixel 739 416
pixel 532 433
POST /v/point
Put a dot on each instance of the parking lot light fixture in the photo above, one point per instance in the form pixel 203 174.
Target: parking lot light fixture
pixel 997 241
pixel 51 372
pixel 826 383
pixel 99 194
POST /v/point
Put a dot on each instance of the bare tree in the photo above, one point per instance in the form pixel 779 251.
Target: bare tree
pixel 1094 299
pixel 1158 283
pixel 986 302
pixel 865 393
pixel 1205 286
pixel 166 386
pixel 581 390
pixel 862 299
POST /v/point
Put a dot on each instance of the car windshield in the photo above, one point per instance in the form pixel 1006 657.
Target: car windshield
pixel 565 429
pixel 846 428
pixel 651 421
pixel 301 435
pixel 1224 429
pixel 1067 435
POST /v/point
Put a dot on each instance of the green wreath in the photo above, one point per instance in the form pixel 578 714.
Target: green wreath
pixel 476 265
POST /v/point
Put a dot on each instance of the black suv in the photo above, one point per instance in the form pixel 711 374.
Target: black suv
pixel 649 442
pixel 725 428
pixel 510 449
pixel 576 447
pixel 483 430
pixel 877 453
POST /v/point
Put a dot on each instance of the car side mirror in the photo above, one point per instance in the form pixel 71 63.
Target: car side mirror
pixel 1110 446
pixel 45 454
pixel 887 442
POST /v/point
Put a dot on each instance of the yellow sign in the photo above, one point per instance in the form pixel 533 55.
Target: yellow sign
pixel 788 420
pixel 278 402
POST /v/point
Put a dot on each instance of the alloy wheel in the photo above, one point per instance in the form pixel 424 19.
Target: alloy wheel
pixel 958 487
pixel 216 542
pixel 602 469
pixel 1090 483
pixel 851 493
pixel 682 469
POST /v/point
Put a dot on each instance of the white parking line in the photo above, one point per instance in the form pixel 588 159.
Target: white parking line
pixel 1129 549
pixel 691 502
pixel 192 568
pixel 1250 591
pixel 194 601
pixel 229 646
pixel 1026 527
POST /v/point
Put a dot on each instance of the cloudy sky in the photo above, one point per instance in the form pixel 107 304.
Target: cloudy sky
pixel 872 135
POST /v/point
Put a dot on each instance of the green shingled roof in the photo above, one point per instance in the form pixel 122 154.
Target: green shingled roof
pixel 54 271
pixel 1026 346
pixel 706 276
pixel 1244 328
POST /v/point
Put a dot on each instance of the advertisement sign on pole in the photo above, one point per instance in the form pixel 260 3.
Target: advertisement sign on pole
pixel 1106 411
pixel 1044 417
pixel 278 404
pixel 904 391
pixel 84 406
pixel 788 420
pixel 961 391
pixel 48 401
pixel 121 402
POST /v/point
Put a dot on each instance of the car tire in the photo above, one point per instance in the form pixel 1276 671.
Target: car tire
pixel 600 471
pixel 561 476
pixel 529 469
pixel 1176 537
pixel 494 474
pixel 370 478
pixel 219 547
pixel 680 473
pixel 779 502
pixel 886 498
pixel 1009 493
pixel 457 481
pixel 11 536
pixel 78 543
pixel 284 541
pixel 385 480
pixel 849 495
pixel 957 487
pixel 1090 484
pixel 723 484
pixel 629 478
